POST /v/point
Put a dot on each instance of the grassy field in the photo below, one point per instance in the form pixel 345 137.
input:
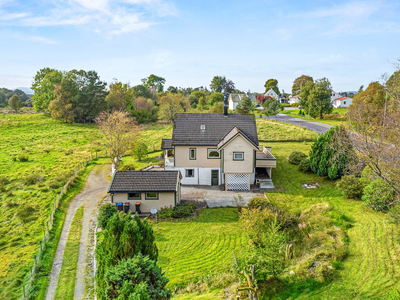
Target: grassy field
pixel 270 130
pixel 66 280
pixel 338 116
pixel 373 265
pixel 37 155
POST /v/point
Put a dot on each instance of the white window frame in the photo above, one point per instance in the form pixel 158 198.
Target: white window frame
pixel 190 153
pixel 236 153
pixel 213 157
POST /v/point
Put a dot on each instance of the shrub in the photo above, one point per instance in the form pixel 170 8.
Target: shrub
pixel 304 166
pixel 137 277
pixel 33 178
pixel 140 151
pixel 257 202
pixel 296 157
pixel 23 158
pixel 300 112
pixel 4 180
pixel 165 212
pixel 378 195
pixel 184 210
pixel 351 187
pixel 105 213
pixel 127 167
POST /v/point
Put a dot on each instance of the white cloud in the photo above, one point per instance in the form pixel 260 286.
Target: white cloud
pixel 105 17
pixel 41 40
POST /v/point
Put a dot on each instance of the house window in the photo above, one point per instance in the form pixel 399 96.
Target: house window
pixel 344 102
pixel 189 173
pixel 151 196
pixel 213 153
pixel 192 153
pixel 134 196
pixel 238 156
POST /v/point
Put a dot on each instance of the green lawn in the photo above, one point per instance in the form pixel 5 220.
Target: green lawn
pixel 190 250
pixel 66 280
pixel 270 130
pixel 338 116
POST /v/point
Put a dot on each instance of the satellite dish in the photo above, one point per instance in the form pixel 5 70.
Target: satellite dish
pixel 153 210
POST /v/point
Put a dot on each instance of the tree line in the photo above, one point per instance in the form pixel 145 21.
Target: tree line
pixel 6 94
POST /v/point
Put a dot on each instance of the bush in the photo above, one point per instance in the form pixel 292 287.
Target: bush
pixel 140 151
pixel 378 195
pixel 296 157
pixel 184 210
pixel 33 178
pixel 127 167
pixel 351 187
pixel 257 202
pixel 137 277
pixel 105 213
pixel 23 158
pixel 304 166
pixel 165 212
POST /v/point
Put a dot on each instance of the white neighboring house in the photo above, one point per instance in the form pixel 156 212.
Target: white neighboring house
pixel 234 99
pixel 272 93
pixel 294 99
pixel 335 96
pixel 342 102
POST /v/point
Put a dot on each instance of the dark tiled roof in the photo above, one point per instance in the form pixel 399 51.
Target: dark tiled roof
pixel 166 144
pixel 144 181
pixel 235 131
pixel 187 130
pixel 262 155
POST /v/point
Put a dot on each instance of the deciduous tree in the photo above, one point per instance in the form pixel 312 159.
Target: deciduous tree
pixel 222 84
pixel 170 105
pixel 315 98
pixel 272 84
pixel 15 103
pixel 43 86
pixel 61 107
pixel 141 91
pixel 119 96
pixel 215 97
pixel 119 131
pixel 154 82
pixel 299 82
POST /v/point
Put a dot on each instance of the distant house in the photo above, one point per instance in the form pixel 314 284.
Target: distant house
pixel 150 188
pixel 335 96
pixel 272 93
pixel 342 102
pixel 294 99
pixel 218 149
pixel 234 99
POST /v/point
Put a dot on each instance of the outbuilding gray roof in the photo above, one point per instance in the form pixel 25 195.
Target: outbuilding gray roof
pixel 187 128
pixel 144 181
pixel 264 155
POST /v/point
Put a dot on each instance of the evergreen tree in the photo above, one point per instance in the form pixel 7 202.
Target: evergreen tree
pixel 245 106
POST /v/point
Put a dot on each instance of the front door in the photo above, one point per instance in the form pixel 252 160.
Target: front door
pixel 214 177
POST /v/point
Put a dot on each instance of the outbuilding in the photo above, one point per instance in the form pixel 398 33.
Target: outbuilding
pixel 153 189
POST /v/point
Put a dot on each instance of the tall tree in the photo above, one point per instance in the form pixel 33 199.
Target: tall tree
pixel 154 82
pixel 141 91
pixel 43 86
pixel 21 95
pixel 299 82
pixel 272 84
pixel 215 98
pixel 315 98
pixel 15 103
pixel 222 84
pixel 61 107
pixel 119 131
pixel 170 105
pixel 119 96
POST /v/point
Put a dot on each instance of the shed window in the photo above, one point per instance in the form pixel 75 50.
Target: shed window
pixel 134 196
pixel 189 173
pixel 344 102
pixel 238 156
pixel 213 153
pixel 192 153
pixel 151 196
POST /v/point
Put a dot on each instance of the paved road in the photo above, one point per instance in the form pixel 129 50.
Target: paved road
pixel 314 126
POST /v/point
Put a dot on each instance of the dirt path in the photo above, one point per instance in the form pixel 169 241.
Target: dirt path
pixel 93 192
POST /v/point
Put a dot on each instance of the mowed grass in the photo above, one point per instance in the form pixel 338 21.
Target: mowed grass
pixel 337 118
pixel 191 249
pixel 270 130
pixel 372 267
pixel 66 280
pixel 54 150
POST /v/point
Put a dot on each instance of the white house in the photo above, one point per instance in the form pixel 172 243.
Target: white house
pixel 294 99
pixel 342 102
pixel 335 96
pixel 272 93
pixel 234 99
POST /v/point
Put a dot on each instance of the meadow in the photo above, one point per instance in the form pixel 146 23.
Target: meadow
pixel 336 118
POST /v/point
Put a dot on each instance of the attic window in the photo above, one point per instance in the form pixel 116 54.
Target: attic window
pixel 202 127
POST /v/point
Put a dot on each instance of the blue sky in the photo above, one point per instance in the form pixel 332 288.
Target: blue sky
pixel 188 42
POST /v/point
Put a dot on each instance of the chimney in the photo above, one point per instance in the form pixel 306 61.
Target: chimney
pixel 226 96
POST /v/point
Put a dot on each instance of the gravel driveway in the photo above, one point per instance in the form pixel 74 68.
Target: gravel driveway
pixel 213 196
